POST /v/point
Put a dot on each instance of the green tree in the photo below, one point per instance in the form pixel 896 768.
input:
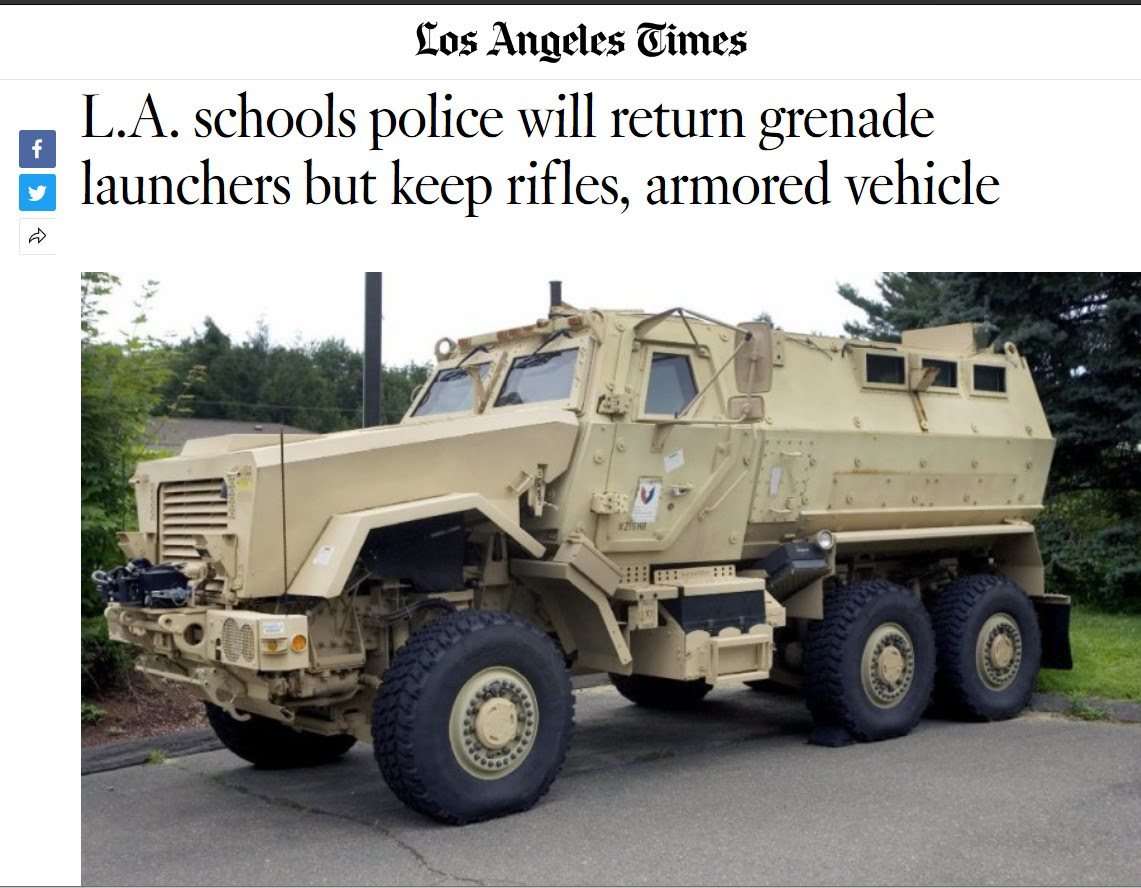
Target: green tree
pixel 316 386
pixel 343 368
pixel 295 392
pixel 398 385
pixel 121 386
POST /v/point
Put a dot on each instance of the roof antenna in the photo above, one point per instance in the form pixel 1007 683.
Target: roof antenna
pixel 988 330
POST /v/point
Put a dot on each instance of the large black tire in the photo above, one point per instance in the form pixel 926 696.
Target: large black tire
pixel 272 745
pixel 989 647
pixel 661 693
pixel 869 665
pixel 473 717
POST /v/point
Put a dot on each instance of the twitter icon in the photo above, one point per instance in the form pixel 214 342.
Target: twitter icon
pixel 37 192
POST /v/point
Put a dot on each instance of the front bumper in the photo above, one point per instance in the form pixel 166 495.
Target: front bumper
pixel 244 639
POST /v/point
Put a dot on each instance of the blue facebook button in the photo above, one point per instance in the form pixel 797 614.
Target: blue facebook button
pixel 37 149
pixel 37 192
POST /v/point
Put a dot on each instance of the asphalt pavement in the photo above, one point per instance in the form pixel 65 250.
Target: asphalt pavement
pixel 729 795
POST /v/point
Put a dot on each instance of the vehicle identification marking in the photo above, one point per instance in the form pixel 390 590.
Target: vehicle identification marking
pixel 277 627
pixel 646 499
pixel 324 556
pixel 675 460
pixel 632 525
pixel 774 481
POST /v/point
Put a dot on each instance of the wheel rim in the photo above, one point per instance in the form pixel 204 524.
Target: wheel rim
pixel 887 667
pixel 493 723
pixel 998 651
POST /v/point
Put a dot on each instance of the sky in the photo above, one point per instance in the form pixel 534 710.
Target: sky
pixel 424 305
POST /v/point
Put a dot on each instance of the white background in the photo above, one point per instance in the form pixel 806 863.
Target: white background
pixel 1043 98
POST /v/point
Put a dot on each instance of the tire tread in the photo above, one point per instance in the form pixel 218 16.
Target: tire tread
pixel 395 712
pixel 955 693
pixel 831 691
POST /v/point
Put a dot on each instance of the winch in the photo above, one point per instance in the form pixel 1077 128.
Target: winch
pixel 140 582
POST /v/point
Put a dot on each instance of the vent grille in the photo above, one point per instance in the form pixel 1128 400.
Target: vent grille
pixel 683 575
pixel 636 575
pixel 187 508
pixel 237 641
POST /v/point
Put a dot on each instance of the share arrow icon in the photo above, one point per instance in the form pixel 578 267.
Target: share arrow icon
pixel 38 237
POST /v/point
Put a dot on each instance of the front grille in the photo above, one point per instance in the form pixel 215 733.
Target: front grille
pixel 187 508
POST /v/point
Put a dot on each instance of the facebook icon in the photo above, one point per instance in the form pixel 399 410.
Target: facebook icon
pixel 37 149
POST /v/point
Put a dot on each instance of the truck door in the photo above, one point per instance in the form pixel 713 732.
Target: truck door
pixel 681 485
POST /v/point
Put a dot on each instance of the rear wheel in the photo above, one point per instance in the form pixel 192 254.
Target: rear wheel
pixel 661 693
pixel 869 664
pixel 989 648
pixel 272 745
pixel 473 717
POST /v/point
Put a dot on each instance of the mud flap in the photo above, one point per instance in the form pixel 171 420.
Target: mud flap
pixel 1054 625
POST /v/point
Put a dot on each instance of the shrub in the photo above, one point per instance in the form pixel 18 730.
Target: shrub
pixel 105 663
pixel 1091 547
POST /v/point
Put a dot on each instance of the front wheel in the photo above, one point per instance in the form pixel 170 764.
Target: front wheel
pixel 869 665
pixel 273 745
pixel 473 717
pixel 989 647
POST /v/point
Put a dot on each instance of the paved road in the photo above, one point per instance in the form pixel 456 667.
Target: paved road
pixel 729 796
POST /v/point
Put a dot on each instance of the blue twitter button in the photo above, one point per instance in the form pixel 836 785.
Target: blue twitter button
pixel 37 192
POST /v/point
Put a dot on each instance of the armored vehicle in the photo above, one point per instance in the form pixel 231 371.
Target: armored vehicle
pixel 679 502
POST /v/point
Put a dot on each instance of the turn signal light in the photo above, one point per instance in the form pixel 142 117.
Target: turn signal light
pixel 298 643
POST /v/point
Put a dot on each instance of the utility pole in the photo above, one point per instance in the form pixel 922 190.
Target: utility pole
pixel 373 319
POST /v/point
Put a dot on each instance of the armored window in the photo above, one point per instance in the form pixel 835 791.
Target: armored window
pixel 885 369
pixel 990 378
pixel 948 375
pixel 671 384
pixel 546 376
pixel 450 392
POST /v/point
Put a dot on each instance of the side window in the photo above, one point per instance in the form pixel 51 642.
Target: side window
pixel 990 378
pixel 671 384
pixel 885 369
pixel 948 375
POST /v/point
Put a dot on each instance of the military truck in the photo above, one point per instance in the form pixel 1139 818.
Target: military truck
pixel 676 501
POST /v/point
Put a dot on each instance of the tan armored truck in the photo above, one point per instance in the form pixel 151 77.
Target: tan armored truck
pixel 676 501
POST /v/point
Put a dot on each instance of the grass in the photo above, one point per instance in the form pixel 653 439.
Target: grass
pixel 90 714
pixel 1107 658
pixel 156 757
pixel 1082 710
